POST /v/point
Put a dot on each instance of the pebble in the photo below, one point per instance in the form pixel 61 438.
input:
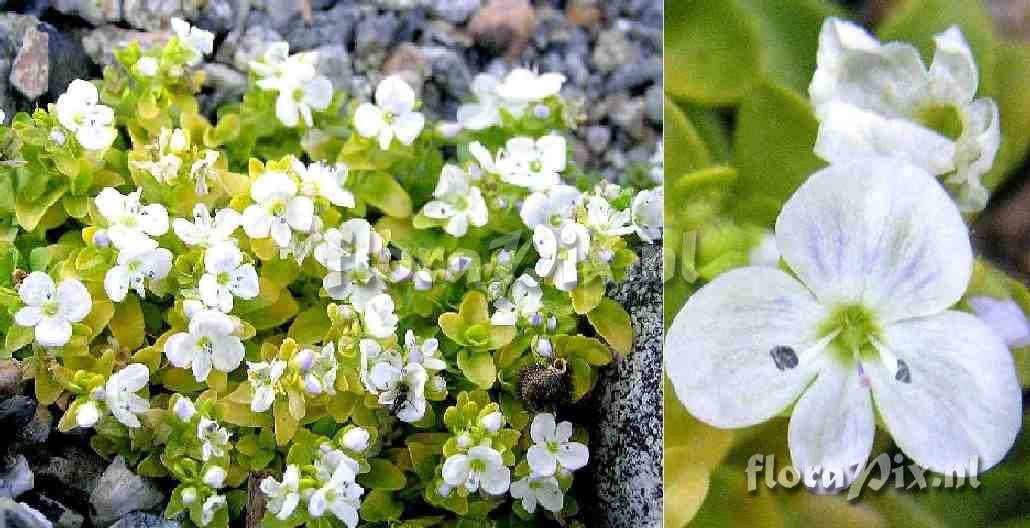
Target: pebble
pixel 598 137
pixel 145 520
pixel 96 12
pixel 17 479
pixel 74 470
pixel 61 515
pixel 37 429
pixel 454 11
pixel 154 15
pixel 375 34
pixel 503 27
pixel 10 374
pixel 407 62
pixel 18 515
pixel 335 26
pixel 334 62
pixel 101 43
pixel 120 491
pixel 613 49
pixel 30 71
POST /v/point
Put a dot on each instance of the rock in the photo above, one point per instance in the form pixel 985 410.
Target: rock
pixel 655 100
pixel 449 71
pixel 31 67
pixel 375 34
pixel 634 75
pixel 36 430
pixel 16 412
pixel 503 26
pixel 613 49
pixel 120 491
pixel 145 520
pixel 101 43
pixel 454 11
pixel 10 370
pixel 61 515
pixel 68 61
pixel 334 62
pixel 335 26
pixel 250 47
pixel 626 450
pixel 598 137
pixel 154 15
pixel 227 83
pixel 18 515
pixel 96 12
pixel 583 13
pixel 408 63
pixel 628 114
pixel 17 479
pixel 74 470
pixel 218 16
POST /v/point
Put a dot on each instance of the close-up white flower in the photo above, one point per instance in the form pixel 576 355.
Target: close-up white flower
pixel 339 494
pixel 560 252
pixel 602 218
pixel 325 180
pixel 881 100
pixel 197 41
pixel 522 86
pixel 278 210
pixel 552 447
pixel 648 216
pixel 424 351
pixel 214 439
pixel 392 116
pixel 134 268
pixel 120 394
pixel 480 468
pixel 535 164
pixel 209 342
pixel 52 309
pixel 79 112
pixel 205 231
pixel 458 203
pixel 861 333
pixel 485 110
pixel 226 277
pixel 380 319
pixel 264 379
pixel 130 223
pixel 536 489
pixel 356 439
pixel 526 299
pixel 283 497
pixel 299 95
pixel 320 374
pixel 553 207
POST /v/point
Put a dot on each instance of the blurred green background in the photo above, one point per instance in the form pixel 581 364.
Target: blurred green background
pixel 739 133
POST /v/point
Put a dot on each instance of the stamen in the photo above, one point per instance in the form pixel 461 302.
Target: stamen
pixel 898 366
pixel 785 358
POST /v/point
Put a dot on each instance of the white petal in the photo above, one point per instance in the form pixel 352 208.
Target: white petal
pixel 53 331
pixel 300 213
pixel 256 221
pixel 37 288
pixel 28 316
pixel 718 349
pixel 153 219
pixel 223 258
pixel 832 427
pixel 395 95
pixel 543 428
pixel 874 232
pixel 963 403
pixel 245 282
pixel 552 152
pixel 180 349
pixel 368 120
pixel 550 495
pixel 228 353
pixel 541 461
pixel 457 225
pixel 286 109
pixel 496 479
pixel 953 74
pixel 573 455
pixel 456 470
pixel 408 126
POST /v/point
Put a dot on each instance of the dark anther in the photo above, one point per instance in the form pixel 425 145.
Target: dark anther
pixel 784 357
pixel 903 375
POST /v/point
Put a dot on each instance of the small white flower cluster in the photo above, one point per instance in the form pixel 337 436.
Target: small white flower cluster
pixel 78 110
pixel 332 485
pixel 400 378
pixel 392 115
pixel 172 148
pixel 118 396
pixel 301 89
pixel 513 93
pixel 51 309
pixel 130 228
pixel 552 453
pixel 478 466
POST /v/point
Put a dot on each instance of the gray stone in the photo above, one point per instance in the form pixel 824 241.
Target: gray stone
pixel 145 520
pixel 335 26
pixel 16 412
pixel 250 47
pixel 626 450
pixel 449 71
pixel 120 491
pixel 18 515
pixel 101 43
pixel 655 101
pixel 334 62
pixel 68 60
pixel 10 369
pixel 31 67
pixel 36 430
pixel 61 515
pixel 454 11
pixel 613 49
pixel 74 469
pixel 598 137
pixel 17 479
pixel 228 84
pixel 628 114
pixel 154 15
pixel 503 27
pixel 218 16
pixel 375 34
pixel 96 12
pixel 634 75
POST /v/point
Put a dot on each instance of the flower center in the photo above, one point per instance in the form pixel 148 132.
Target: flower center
pixel 223 278
pixel 945 120
pixel 388 117
pixel 278 209
pixel 50 308
pixel 477 466
pixel 856 327
pixel 536 165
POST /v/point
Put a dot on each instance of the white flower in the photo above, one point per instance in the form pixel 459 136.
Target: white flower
pixel 532 163
pixel 201 170
pixel 52 309
pixel 214 439
pixel 485 111
pixel 130 224
pixel 482 468
pixel 553 207
pixel 327 181
pixel 560 251
pixel 278 209
pixel 551 447
pixel 1005 317
pixel 526 300
pixel 484 160
pixel 134 267
pixel 320 376
pixel 205 231
pixel 273 63
pixel 492 422
pixel 357 286
pixel 211 506
pixel 880 253
pixel 648 214
pixel 78 111
pixel 283 497
pixel 380 319
pixel 391 116
pixel 348 247
pixel 214 477
pixel 457 201
pixel 226 277
pixel 197 41
pixel 380 369
pixel 536 489
pixel 184 409
pixel 339 494
pixel 208 342
pixel 356 439
pixel 87 414
pixel 147 66
pixel 880 100
pixel 658 163
pixel 607 221
pixel 264 379
pixel 521 87
pixel 120 394
pixel 299 94
pixel 406 395
pixel 424 353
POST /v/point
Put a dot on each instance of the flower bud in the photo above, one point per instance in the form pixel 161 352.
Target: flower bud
pixel 184 409
pixel 459 264
pixel 188 496
pixel 605 255
pixel 464 441
pixel 542 112
pixel 552 323
pixel 423 280
pixel 449 130
pixel 543 347
pixel 101 239
pixel 492 422
pixel 312 385
pixel 57 136
pixel 214 477
pixel 356 439
pixel 439 383
pixel 536 319
pixel 443 489
pixel 147 66
pixel 304 359
pixel 504 257
pixel 87 415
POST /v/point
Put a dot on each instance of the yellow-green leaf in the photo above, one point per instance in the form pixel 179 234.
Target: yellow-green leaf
pixel 587 296
pixel 613 323
pixel 383 475
pixel 127 323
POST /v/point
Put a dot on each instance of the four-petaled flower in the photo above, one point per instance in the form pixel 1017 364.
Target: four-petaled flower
pixel 480 468
pixel 197 41
pixel 208 342
pixel 526 299
pixel 604 219
pixel 339 493
pixel 131 224
pixel 535 164
pixel 52 309
pixel 879 253
pixel 554 207
pixel 552 448
pixel 134 267
pixel 264 379
pixel 205 231
pixel 648 214
pixel 284 496
pixel 120 394
pixel 78 111
pixel 213 437
pixel 424 353
pixel 226 276
pixel 379 316
pixel 327 181
pixel 458 202
pixel 560 251
pixel 536 489
pixel 278 209
pixel 392 115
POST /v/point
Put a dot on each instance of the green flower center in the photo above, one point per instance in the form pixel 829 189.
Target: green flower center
pixel 50 308
pixel 461 203
pixel 945 120
pixel 387 117
pixel 536 165
pixel 856 327
pixel 223 278
pixel 477 466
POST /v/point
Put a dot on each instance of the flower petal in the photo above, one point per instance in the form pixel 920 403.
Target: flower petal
pixel 53 331
pixel 36 289
pixel 963 404
pixel 719 349
pixel 879 233
pixel 953 74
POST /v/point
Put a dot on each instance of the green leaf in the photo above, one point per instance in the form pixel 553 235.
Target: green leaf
pixel 30 212
pixel 712 51
pixel 685 151
pixel 127 323
pixel 587 296
pixel 381 506
pixel 614 324
pixel 478 367
pixel 383 192
pixel 776 130
pixel 383 476
pixel 1013 81
pixel 284 308
pixel 18 337
pixel 285 424
pixel 588 349
pixel 310 326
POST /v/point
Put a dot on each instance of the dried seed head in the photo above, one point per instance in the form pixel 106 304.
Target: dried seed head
pixel 545 387
pixel 17 276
